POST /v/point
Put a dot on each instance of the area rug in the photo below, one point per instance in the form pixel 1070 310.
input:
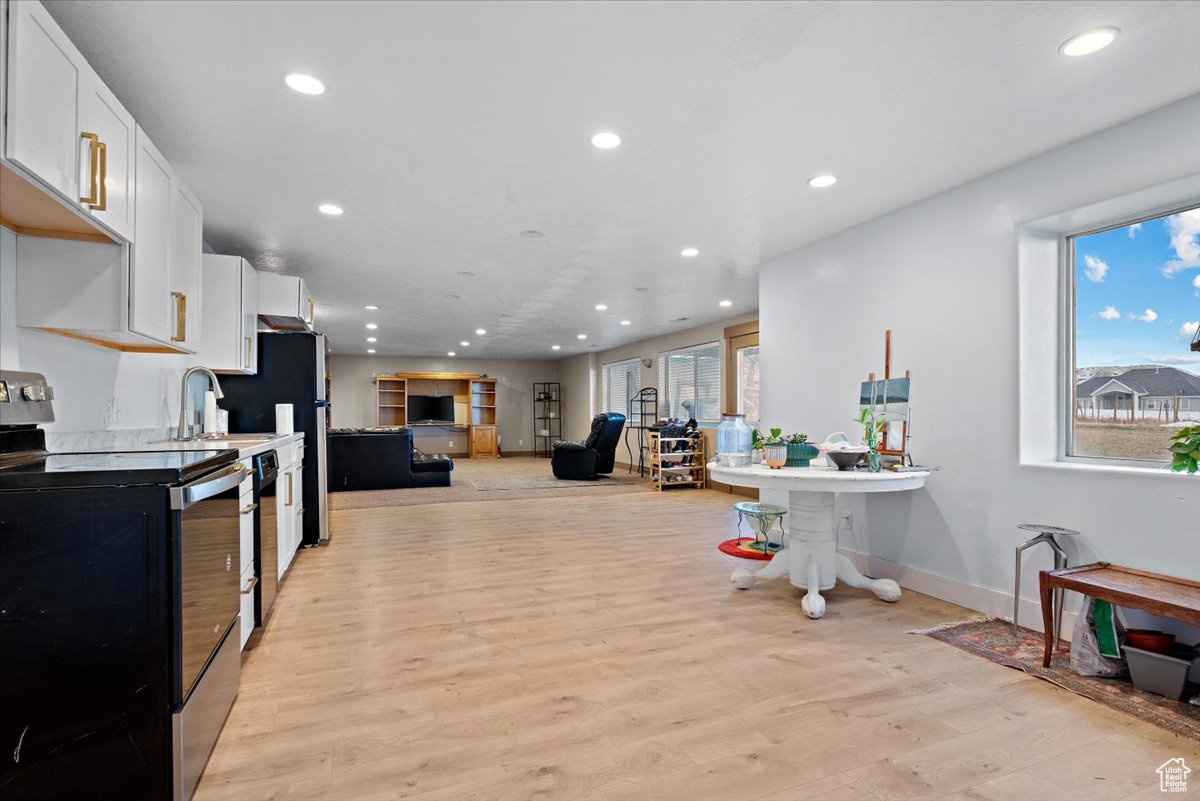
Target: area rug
pixel 510 483
pixel 749 548
pixel 993 639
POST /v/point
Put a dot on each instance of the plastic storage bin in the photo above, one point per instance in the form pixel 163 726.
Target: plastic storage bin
pixel 1163 674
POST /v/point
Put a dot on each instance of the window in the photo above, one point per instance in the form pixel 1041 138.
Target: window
pixel 1136 309
pixel 618 383
pixel 689 383
pixel 747 383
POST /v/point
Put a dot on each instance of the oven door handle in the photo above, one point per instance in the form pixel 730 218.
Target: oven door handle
pixel 207 487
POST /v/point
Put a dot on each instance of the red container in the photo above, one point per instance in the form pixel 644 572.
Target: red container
pixel 1147 640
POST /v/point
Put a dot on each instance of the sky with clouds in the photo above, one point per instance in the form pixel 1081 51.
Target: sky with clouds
pixel 1137 293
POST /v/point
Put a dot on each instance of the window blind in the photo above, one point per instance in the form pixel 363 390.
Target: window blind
pixel 618 383
pixel 689 382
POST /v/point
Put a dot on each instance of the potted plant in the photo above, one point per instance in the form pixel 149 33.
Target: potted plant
pixel 1185 450
pixel 756 445
pixel 872 427
pixel 799 452
pixel 775 450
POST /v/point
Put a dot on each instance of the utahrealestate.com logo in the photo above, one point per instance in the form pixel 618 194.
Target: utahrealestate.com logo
pixel 1172 776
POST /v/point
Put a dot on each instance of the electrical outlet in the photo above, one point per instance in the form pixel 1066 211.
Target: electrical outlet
pixel 520 442
pixel 849 518
pixel 112 413
pixel 451 443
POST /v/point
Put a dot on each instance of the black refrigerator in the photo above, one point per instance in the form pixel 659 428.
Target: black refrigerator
pixel 291 369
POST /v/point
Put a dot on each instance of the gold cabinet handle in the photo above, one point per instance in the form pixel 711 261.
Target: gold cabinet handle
pixel 103 204
pixel 290 493
pixel 249 353
pixel 180 317
pixel 248 509
pixel 92 196
pixel 250 587
pixel 312 312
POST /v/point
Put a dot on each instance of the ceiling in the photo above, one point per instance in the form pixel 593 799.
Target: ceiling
pixel 449 128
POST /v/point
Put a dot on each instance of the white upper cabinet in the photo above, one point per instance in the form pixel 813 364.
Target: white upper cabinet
pixel 187 244
pixel 249 309
pixel 106 159
pixel 284 303
pixel 64 126
pixel 229 342
pixel 153 310
pixel 46 77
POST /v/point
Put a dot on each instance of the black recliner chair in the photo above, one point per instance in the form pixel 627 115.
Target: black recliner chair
pixel 596 455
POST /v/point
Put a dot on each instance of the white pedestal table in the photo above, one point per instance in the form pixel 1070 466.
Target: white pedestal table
pixel 809 557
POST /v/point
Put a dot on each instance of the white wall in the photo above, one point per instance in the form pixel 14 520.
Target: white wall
pixel 86 377
pixel 353 394
pixel 580 384
pixel 942 274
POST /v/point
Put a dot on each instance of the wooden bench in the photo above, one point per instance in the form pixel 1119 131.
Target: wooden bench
pixel 1157 594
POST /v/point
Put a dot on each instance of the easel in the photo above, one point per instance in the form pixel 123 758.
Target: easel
pixel 884 450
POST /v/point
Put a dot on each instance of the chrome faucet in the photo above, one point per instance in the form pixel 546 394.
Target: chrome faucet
pixel 183 433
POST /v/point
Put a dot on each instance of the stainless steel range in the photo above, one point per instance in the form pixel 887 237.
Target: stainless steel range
pixel 119 601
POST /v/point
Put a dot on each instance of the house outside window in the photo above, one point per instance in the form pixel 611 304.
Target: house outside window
pixel 689 383
pixel 619 381
pixel 1133 379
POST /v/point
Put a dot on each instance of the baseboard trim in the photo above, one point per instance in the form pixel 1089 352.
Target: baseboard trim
pixel 980 599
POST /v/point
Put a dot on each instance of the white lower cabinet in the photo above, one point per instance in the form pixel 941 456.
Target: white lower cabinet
pixel 247 613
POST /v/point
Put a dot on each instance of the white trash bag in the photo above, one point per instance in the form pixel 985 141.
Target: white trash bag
pixel 1096 643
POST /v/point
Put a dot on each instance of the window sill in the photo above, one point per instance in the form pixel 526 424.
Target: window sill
pixel 1117 470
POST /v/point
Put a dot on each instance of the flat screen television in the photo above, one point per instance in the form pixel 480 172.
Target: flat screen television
pixel 431 409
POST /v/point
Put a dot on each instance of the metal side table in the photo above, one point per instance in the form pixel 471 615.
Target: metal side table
pixel 1047 535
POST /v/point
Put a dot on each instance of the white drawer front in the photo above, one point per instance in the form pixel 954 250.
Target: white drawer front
pixel 247 586
pixel 246 519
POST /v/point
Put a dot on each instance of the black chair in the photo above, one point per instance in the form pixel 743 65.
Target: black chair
pixel 596 455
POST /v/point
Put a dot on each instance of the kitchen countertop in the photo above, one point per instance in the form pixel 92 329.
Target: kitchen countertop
pixel 244 444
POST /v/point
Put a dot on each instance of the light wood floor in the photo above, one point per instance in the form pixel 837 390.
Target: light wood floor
pixel 592 648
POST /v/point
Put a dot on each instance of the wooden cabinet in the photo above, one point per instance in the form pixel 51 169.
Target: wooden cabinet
pixel 483 444
pixel 228 334
pixel 153 311
pixel 64 127
pixel 284 303
pixel 187 246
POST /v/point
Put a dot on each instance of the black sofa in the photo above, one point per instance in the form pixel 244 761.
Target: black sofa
pixel 595 455
pixel 382 458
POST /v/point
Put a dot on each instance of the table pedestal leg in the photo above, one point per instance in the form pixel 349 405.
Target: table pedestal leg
pixel 744 579
pixel 884 589
pixel 809 557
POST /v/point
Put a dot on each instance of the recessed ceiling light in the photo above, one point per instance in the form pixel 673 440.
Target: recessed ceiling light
pixel 1088 42
pixel 371 326
pixel 372 339
pixel 822 181
pixel 465 343
pixel 450 353
pixel 601 307
pixel 304 84
pixel 370 350
pixel 480 331
pixel 689 253
pixel 371 308
pixel 626 322
pixel 331 210
pixel 606 140
pixel 532 233
pixel 725 303
pixel 581 336
pixel 556 347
